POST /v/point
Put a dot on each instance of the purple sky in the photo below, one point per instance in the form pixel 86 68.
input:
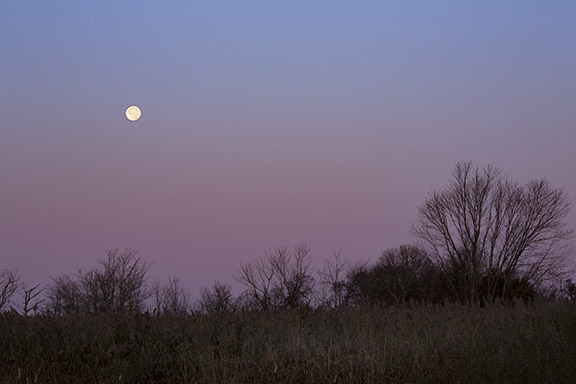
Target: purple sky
pixel 265 124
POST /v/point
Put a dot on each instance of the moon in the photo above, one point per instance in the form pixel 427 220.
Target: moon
pixel 133 113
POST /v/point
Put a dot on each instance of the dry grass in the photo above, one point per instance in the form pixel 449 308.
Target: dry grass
pixel 426 344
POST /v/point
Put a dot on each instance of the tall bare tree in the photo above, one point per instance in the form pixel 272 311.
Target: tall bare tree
pixel 281 279
pixel 9 285
pixel 486 228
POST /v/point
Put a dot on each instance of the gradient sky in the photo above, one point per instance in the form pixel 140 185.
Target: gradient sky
pixel 265 123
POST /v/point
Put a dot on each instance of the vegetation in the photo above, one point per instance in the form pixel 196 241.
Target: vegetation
pixel 399 344
pixel 281 280
pixel 9 285
pixel 484 231
pixel 118 287
pixel 479 301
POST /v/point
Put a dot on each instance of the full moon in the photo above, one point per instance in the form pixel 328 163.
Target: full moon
pixel 133 113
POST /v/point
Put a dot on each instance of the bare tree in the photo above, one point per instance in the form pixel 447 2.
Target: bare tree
pixel 281 279
pixel 401 275
pixel 484 225
pixel 171 298
pixel 407 273
pixel 294 284
pixel 9 285
pixel 31 299
pixel 257 277
pixel 333 280
pixel 216 300
pixel 63 296
pixel 119 287
pixel 359 285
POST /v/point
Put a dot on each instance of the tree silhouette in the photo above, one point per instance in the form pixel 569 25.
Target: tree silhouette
pixel 9 285
pixel 63 296
pixel 216 300
pixel 401 275
pixel 280 280
pixel 333 280
pixel 32 299
pixel 171 298
pixel 485 228
pixel 407 274
pixel 119 286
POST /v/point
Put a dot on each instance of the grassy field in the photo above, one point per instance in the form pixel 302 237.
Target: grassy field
pixel 425 344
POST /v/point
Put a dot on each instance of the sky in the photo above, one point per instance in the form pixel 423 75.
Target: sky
pixel 265 124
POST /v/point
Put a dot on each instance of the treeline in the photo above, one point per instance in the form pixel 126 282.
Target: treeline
pixel 282 279
pixel 482 239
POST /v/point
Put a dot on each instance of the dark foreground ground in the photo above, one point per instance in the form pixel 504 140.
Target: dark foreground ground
pixel 426 344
